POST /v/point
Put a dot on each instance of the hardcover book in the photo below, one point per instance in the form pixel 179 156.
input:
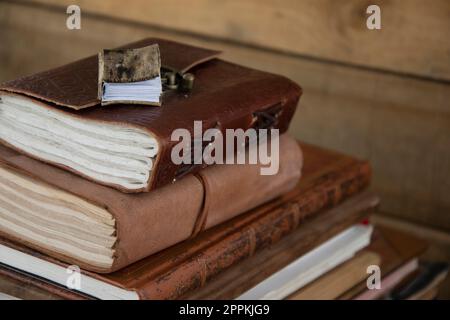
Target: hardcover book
pixel 311 234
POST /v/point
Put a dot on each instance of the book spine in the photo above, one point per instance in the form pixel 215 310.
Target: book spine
pixel 197 268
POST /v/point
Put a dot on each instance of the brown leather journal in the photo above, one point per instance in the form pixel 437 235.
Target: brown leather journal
pixel 55 116
pixel 328 178
pixel 102 229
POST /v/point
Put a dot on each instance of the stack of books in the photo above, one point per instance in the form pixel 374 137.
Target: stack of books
pixel 93 207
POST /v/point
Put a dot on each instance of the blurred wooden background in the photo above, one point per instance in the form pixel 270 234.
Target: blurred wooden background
pixel 382 95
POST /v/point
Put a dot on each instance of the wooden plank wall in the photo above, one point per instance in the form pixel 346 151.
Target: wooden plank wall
pixel 412 40
pixel 382 95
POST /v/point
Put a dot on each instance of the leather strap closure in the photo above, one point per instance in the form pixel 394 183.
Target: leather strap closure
pixel 200 223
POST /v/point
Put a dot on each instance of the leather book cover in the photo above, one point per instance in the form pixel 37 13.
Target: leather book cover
pixel 328 179
pixel 139 224
pixel 225 96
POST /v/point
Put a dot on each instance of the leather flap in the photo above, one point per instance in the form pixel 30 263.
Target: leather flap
pixel 129 65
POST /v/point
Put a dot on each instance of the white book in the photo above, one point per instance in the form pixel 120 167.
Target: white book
pixel 146 91
pixel 312 265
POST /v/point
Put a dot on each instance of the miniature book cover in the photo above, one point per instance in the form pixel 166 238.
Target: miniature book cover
pixel 130 76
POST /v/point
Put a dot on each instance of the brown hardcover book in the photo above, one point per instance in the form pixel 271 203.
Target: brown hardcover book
pixel 102 229
pixel 55 116
pixel 244 276
pixel 329 178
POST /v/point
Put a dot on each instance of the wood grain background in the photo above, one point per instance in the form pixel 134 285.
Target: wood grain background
pixel 381 95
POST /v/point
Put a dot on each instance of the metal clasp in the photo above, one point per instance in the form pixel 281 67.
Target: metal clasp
pixel 174 81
